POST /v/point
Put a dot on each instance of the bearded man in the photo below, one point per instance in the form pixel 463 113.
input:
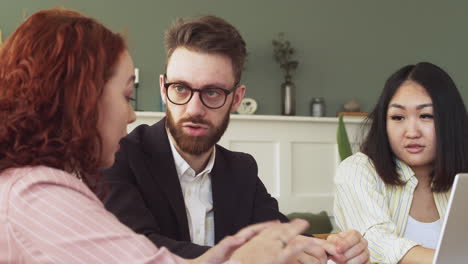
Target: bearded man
pixel 171 182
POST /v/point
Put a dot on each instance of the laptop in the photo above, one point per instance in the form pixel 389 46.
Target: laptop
pixel 453 242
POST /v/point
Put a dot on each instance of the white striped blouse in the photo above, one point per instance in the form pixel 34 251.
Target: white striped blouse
pixel 49 216
pixel 378 211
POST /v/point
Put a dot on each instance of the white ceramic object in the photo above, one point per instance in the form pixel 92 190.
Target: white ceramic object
pixel 248 106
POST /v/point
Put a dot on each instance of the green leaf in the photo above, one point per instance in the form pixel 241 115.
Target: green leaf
pixel 344 147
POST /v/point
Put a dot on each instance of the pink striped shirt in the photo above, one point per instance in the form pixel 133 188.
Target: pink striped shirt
pixel 49 216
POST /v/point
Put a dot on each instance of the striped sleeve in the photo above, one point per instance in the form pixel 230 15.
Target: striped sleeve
pixel 54 218
pixel 361 203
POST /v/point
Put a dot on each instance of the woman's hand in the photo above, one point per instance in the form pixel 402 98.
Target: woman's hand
pixel 273 245
pixel 351 248
pixel 222 251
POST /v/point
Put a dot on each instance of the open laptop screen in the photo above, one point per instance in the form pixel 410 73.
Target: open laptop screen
pixel 453 242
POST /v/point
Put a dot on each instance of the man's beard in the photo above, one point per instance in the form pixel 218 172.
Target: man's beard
pixel 195 145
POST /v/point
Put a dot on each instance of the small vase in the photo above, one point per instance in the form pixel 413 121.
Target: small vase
pixel 288 98
pixel 317 107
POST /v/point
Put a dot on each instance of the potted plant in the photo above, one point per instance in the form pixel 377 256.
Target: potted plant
pixel 283 53
pixel 344 147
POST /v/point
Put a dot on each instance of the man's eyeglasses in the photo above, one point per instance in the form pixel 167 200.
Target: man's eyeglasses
pixel 211 97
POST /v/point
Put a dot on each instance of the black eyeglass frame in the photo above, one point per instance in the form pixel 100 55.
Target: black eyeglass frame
pixel 192 91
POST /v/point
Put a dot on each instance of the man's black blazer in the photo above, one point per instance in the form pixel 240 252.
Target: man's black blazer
pixel 144 192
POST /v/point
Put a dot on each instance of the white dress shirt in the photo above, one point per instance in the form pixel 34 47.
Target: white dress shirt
pixel 198 198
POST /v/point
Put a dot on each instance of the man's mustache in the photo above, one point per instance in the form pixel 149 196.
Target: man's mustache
pixel 196 120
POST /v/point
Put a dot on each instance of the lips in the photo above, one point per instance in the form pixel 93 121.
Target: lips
pixel 195 129
pixel 414 148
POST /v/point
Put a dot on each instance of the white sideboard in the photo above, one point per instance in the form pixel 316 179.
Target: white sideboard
pixel 297 156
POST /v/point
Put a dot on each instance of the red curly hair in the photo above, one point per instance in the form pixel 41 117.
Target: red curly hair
pixel 52 73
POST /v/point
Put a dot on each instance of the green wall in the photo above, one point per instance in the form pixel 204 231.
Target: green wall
pixel 345 49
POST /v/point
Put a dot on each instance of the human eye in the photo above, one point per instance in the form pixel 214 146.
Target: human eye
pixel 427 116
pixel 129 94
pixel 396 117
pixel 179 88
pixel 214 92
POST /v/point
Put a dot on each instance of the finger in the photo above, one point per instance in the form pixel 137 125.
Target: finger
pixel 287 231
pixel 304 258
pixel 360 259
pixel 248 232
pixel 224 249
pixel 356 250
pixel 313 254
pixel 291 251
pixel 230 243
pixel 345 240
pixel 330 248
pixel 315 247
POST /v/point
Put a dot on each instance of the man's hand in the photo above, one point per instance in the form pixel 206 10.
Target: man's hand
pixel 350 245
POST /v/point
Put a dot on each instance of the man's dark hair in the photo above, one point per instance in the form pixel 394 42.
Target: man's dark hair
pixel 209 34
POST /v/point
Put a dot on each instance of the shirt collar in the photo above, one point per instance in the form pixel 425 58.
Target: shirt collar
pixel 182 166
pixel 405 171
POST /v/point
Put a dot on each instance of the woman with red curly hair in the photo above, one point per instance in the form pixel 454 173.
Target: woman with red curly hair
pixel 65 86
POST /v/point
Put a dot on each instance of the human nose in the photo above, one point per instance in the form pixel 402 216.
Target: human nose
pixel 413 129
pixel 195 106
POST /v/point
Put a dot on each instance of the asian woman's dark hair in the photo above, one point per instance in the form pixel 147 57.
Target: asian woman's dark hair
pixel 450 121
